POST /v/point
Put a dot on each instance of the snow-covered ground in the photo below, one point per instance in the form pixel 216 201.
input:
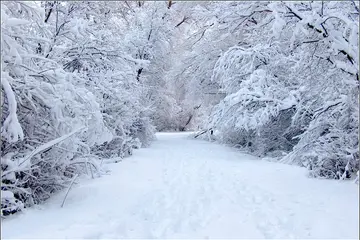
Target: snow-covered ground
pixel 186 188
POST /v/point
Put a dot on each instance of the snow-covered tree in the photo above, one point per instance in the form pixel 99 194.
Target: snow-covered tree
pixel 70 96
pixel 84 81
pixel 290 81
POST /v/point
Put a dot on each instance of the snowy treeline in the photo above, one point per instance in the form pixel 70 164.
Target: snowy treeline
pixel 87 81
pixel 289 75
pixel 81 82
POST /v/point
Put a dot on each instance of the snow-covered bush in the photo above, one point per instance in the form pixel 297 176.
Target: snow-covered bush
pixel 47 121
pixel 290 81
pixel 69 96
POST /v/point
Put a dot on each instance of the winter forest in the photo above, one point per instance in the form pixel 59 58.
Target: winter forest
pixel 87 83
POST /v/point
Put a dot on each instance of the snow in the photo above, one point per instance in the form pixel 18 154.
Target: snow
pixel 11 129
pixel 11 22
pixel 49 144
pixel 7 194
pixel 186 188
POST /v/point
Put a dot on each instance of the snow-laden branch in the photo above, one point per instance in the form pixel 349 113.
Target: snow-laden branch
pixel 39 149
pixel 11 129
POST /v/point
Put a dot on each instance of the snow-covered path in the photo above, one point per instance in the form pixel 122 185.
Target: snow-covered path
pixel 186 188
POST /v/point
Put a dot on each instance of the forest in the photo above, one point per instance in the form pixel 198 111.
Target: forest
pixel 85 83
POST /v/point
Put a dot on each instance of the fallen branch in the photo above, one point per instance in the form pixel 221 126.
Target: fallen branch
pixel 202 132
